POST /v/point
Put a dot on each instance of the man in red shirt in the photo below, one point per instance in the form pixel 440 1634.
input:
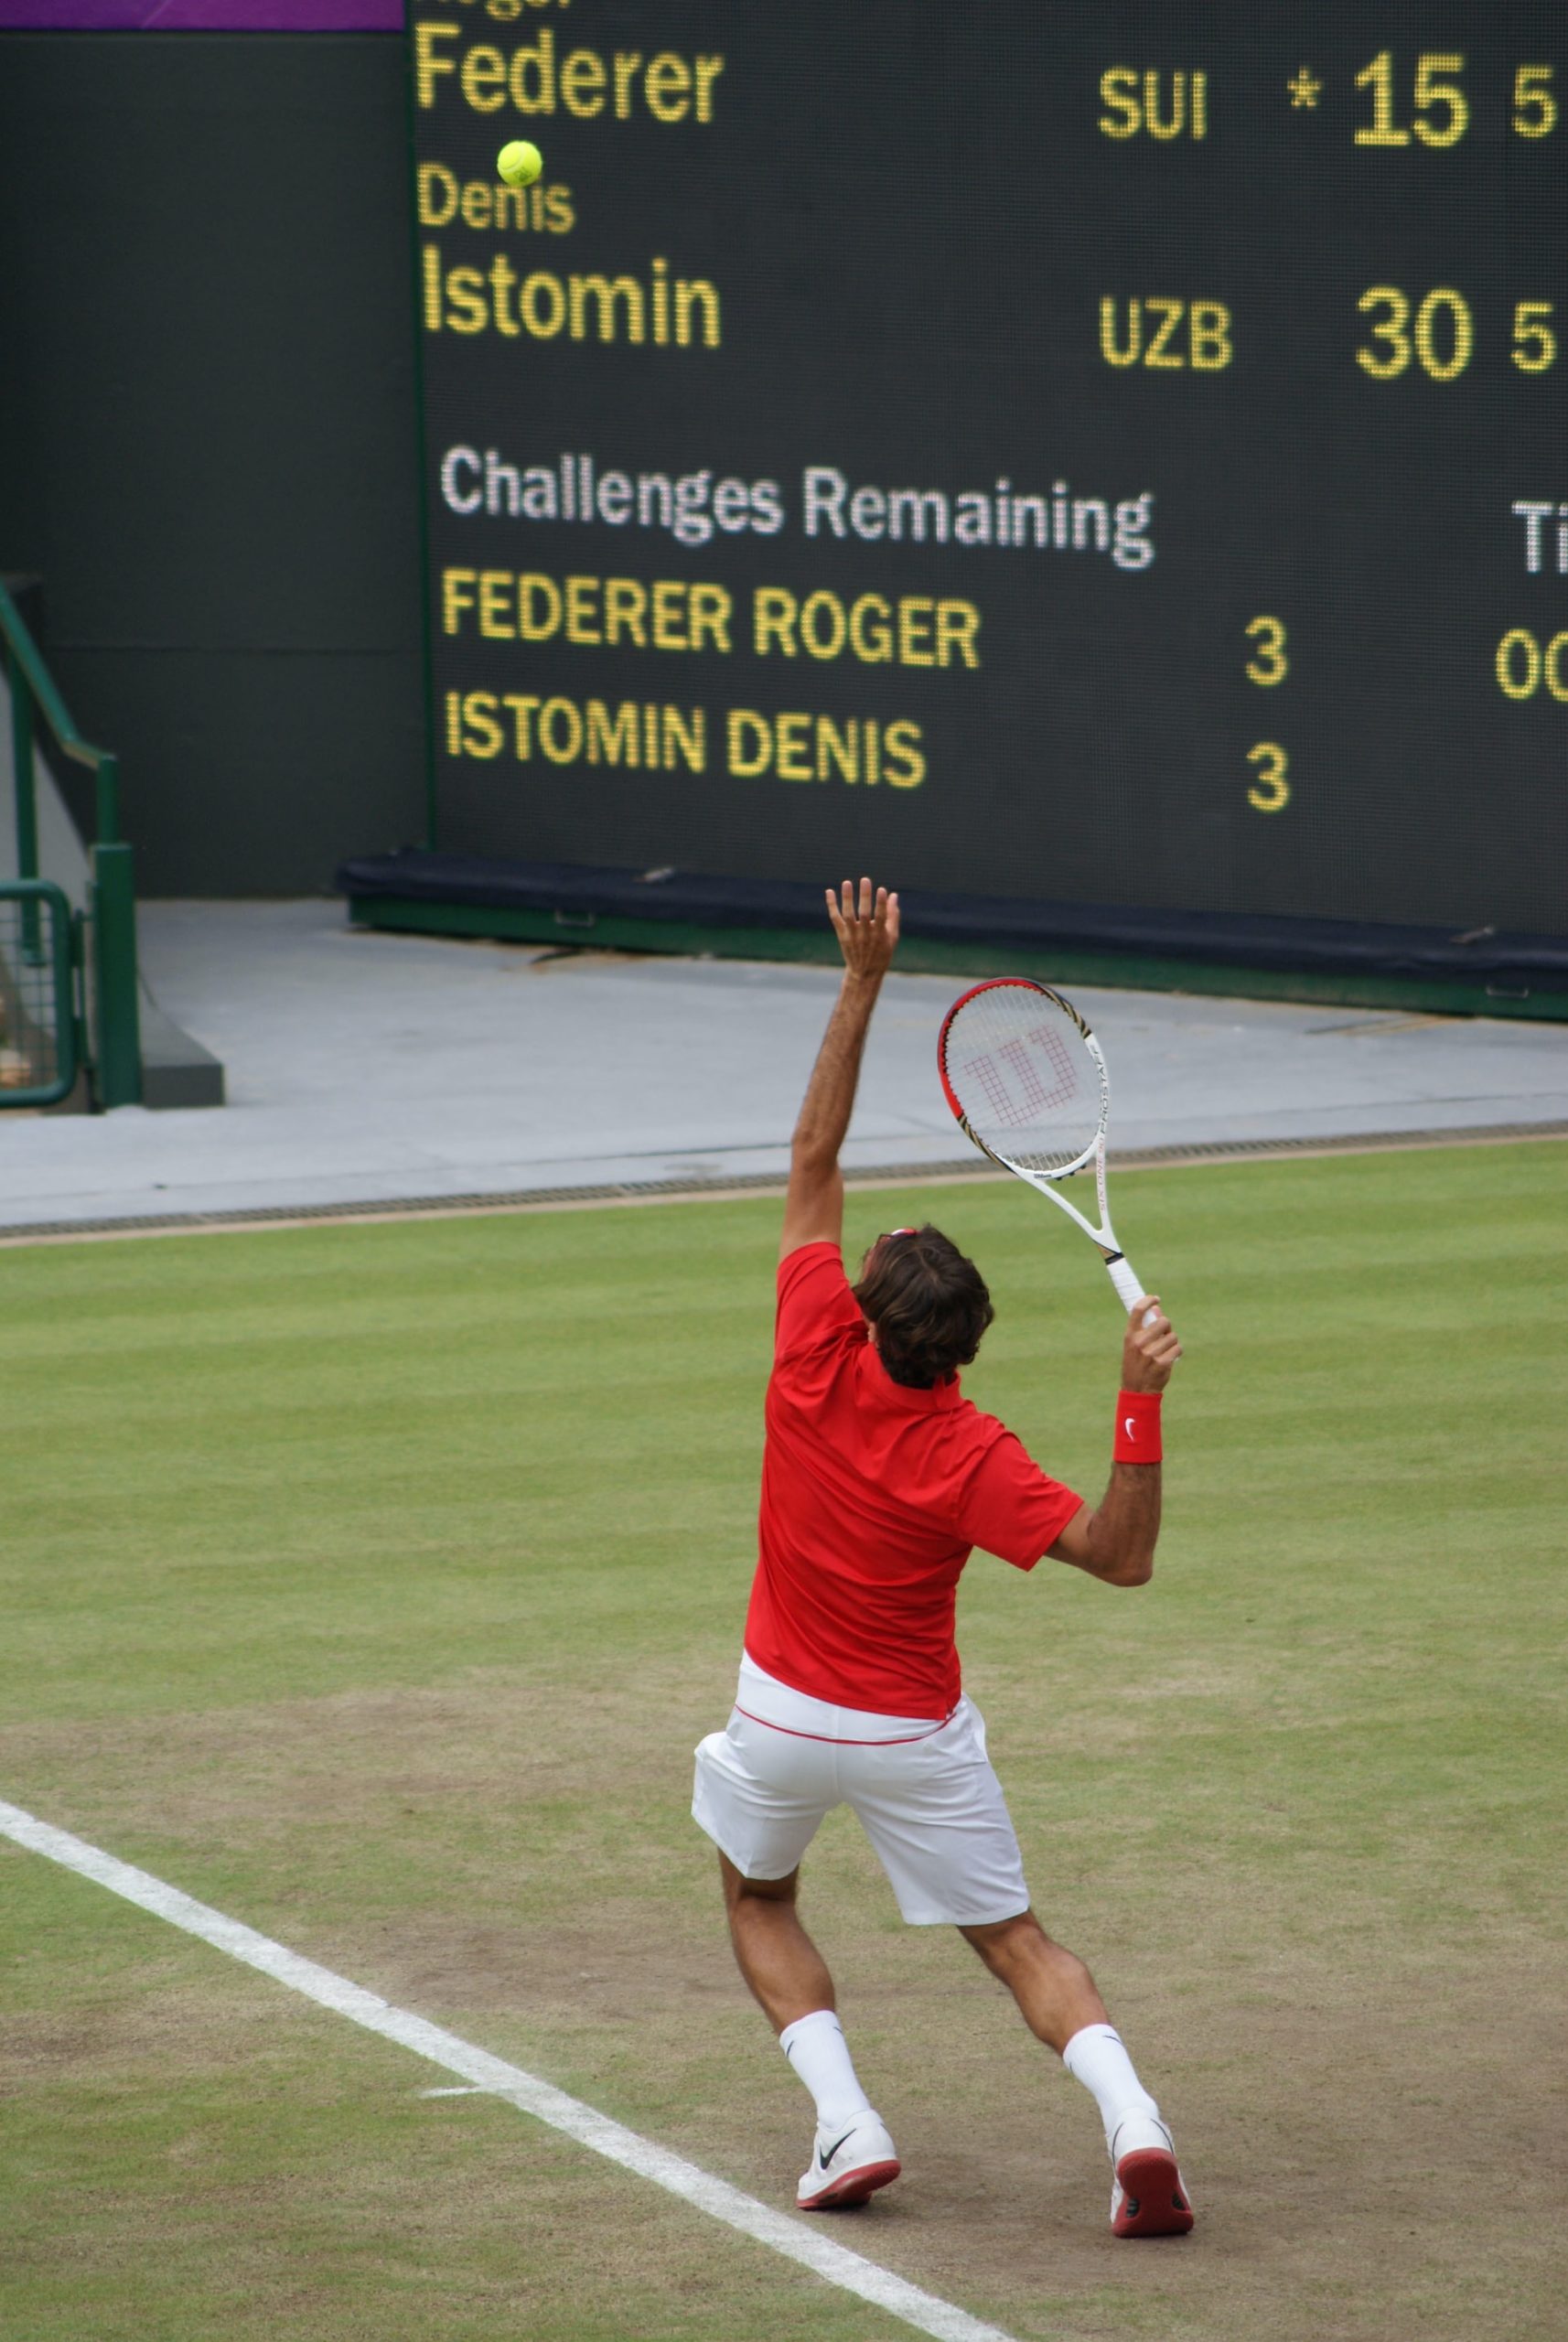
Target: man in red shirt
pixel 878 1478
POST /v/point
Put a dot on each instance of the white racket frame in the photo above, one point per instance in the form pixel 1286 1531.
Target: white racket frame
pixel 1129 1291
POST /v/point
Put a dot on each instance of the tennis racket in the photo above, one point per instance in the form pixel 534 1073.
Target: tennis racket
pixel 1027 1080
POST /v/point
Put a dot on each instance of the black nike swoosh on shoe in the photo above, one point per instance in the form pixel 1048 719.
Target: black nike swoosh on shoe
pixel 824 2160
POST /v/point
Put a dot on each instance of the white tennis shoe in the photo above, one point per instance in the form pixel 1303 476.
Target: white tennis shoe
pixel 1147 2194
pixel 848 2164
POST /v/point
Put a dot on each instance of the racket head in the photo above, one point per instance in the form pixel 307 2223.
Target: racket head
pixel 1023 1076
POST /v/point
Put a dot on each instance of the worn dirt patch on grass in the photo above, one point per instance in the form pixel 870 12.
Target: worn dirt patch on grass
pixel 514 1861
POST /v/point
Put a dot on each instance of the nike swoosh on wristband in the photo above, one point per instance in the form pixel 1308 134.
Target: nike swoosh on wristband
pixel 825 2159
pixel 1130 1426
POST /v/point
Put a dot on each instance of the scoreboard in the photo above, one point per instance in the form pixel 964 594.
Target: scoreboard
pixel 1114 456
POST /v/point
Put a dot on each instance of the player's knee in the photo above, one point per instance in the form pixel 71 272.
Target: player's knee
pixel 1004 1944
pixel 740 1890
pixel 1012 1947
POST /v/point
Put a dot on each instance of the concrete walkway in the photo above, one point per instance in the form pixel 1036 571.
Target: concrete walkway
pixel 370 1068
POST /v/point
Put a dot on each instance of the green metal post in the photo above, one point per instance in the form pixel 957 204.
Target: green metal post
pixel 25 774
pixel 106 792
pixel 115 954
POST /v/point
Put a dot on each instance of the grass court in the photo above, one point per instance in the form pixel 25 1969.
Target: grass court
pixel 373 1584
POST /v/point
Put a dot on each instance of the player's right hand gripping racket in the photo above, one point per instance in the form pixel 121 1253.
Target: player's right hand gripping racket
pixel 1026 1077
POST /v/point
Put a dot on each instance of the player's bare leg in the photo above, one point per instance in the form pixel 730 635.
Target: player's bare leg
pixel 1059 2001
pixel 1054 1990
pixel 852 2154
pixel 787 1974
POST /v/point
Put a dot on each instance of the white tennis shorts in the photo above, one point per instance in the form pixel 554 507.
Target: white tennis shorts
pixel 932 1808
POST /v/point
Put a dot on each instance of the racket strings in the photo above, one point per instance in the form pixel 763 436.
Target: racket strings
pixel 1028 1086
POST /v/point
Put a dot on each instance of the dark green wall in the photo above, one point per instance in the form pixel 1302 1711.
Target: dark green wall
pixel 207 434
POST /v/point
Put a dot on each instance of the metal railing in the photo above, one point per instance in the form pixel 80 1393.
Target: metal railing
pixel 40 1033
pixel 116 1052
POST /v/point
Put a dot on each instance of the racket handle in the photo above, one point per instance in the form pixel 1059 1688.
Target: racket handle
pixel 1129 1291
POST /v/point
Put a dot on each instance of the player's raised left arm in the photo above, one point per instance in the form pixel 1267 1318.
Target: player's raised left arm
pixel 867 931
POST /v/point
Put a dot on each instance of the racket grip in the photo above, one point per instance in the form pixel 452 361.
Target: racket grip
pixel 1129 1291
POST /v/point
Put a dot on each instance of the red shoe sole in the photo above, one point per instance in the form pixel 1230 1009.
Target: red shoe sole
pixel 853 2189
pixel 1154 2202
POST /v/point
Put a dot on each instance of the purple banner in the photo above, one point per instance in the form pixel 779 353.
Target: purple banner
pixel 202 16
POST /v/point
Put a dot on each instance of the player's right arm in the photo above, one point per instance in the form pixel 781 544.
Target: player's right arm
pixel 868 934
pixel 1114 1541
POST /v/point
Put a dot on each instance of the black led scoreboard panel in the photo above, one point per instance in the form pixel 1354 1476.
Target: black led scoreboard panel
pixel 1106 455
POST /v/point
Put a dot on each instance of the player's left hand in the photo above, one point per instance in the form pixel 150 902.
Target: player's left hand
pixel 1149 1350
pixel 867 931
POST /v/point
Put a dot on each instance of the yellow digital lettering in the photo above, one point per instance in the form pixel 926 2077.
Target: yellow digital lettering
pixel 428 61
pixel 749 743
pixel 438 195
pixel 543 302
pixel 468 311
pixel 612 740
pixel 915 623
pixel 1113 351
pixel 707 70
pixel 1209 335
pixel 792 759
pixel 667 86
pixel 1158 355
pixel 1152 122
pixel 456 596
pixel 773 620
pixel 905 766
pixel 606 291
pixel 582 78
pixel 533 76
pixel 626 611
pixel 870 632
pixel 626 62
pixel 581 610
pixel 711 607
pixel 495 612
pixel 537 607
pixel 669 614
pixel 503 280
pixel 690 292
pixel 1118 89
pixel 840 749
pixel 560 731
pixel 958 623
pixel 483 79
pixel 685 737
pixel 482 735
pixel 522 705
pixel 822 625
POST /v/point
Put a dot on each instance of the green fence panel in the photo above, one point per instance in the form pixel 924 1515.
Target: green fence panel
pixel 38 1024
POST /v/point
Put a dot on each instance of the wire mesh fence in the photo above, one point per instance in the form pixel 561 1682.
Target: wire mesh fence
pixel 38 1029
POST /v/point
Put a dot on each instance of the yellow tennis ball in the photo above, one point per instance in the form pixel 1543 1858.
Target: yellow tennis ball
pixel 520 163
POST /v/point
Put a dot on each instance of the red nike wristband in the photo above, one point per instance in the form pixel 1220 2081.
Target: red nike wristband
pixel 1137 1427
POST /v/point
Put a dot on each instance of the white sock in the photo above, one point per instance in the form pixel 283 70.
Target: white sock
pixel 1096 2056
pixel 817 2049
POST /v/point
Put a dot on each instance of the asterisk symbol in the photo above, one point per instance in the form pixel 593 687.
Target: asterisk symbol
pixel 1304 89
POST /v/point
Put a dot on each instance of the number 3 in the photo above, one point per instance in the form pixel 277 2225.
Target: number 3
pixel 1270 793
pixel 1268 663
pixel 1391 330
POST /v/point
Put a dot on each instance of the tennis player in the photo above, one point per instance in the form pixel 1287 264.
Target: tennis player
pixel 878 1478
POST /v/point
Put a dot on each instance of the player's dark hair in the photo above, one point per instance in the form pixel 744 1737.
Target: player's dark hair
pixel 929 1303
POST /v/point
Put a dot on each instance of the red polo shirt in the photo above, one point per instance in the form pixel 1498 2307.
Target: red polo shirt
pixel 873 1496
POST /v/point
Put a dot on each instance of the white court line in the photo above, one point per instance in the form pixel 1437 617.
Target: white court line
pixel 928 2313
